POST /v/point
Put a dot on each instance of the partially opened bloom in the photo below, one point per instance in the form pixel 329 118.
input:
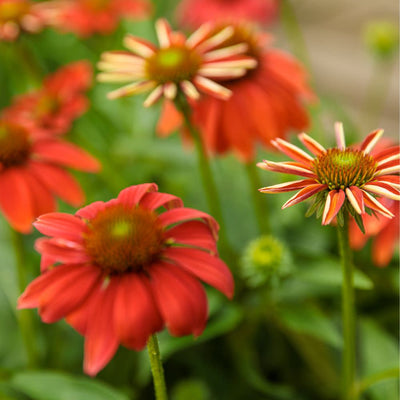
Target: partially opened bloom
pixel 120 271
pixel 341 178
pixel 383 231
pixel 19 15
pixel 193 13
pixel 52 108
pixel 267 102
pixel 33 171
pixel 87 17
pixel 178 64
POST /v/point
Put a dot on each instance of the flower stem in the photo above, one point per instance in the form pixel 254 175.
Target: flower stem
pixel 348 313
pixel 260 207
pixel 157 368
pixel 25 320
pixel 204 166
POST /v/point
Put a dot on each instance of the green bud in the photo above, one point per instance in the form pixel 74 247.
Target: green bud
pixel 382 39
pixel 264 258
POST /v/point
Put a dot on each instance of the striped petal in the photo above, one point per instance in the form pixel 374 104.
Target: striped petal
pixel 370 141
pixel 304 194
pixel 383 189
pixel 292 151
pixel 311 144
pixel 289 168
pixel 334 202
pixel 375 205
pixel 287 186
pixel 356 198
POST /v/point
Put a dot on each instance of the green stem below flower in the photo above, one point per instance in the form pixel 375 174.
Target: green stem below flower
pixel 348 313
pixel 25 320
pixel 259 201
pixel 157 368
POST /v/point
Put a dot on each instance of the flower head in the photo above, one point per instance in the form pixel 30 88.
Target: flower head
pixel 119 271
pixel 188 65
pixel 32 173
pixel 341 178
pixel 271 96
pixel 17 16
pixel 193 13
pixel 87 17
pixel 53 108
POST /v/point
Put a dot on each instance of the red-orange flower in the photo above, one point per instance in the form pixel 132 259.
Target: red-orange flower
pixel 340 178
pixel 32 173
pixel 193 13
pixel 87 17
pixel 53 108
pixel 119 271
pixel 266 103
pixel 383 231
pixel 19 15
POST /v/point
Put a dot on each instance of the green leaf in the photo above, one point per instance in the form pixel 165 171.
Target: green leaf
pixel 43 385
pixel 328 272
pixel 308 319
pixel 379 353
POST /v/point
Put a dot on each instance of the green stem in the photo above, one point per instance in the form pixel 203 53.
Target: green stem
pixel 348 313
pixel 259 201
pixel 28 60
pixel 25 319
pixel 204 165
pixel 371 380
pixel 157 368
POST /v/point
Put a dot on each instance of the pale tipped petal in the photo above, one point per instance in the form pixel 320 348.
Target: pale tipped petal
pixel 154 96
pixel 287 186
pixel 190 90
pixel 216 40
pixel 304 194
pixel 226 52
pixel 355 196
pixel 199 35
pixel 170 90
pixel 133 88
pixel 383 189
pixel 340 139
pixel 163 30
pixel 333 204
pixel 208 86
pixel 311 144
pixel 289 168
pixel 292 151
pixel 370 141
pixel 139 46
pixel 375 205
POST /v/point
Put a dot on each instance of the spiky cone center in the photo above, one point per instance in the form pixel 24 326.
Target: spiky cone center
pixel 13 11
pixel 15 145
pixel 173 64
pixel 121 239
pixel 340 169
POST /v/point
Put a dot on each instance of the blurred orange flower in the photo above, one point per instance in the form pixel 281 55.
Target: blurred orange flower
pixel 125 271
pixel 32 173
pixel 266 103
pixel 53 108
pixel 193 13
pixel 87 17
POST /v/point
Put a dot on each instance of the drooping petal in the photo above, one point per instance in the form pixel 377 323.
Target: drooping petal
pixel 375 205
pixel 193 233
pixel 383 189
pixel 66 154
pixel 16 199
pixel 59 182
pixel 61 225
pixel 334 202
pixel 132 195
pixel 356 198
pixel 180 298
pixel 179 215
pixel 204 266
pixel 304 194
pixel 136 316
pixel 101 341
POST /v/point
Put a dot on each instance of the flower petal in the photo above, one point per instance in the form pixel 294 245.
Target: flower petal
pixel 304 194
pixel 288 186
pixel 334 202
pixel 311 144
pixel 132 195
pixel 356 198
pixel 370 141
pixel 289 168
pixel 340 139
pixel 91 210
pixel 181 299
pixel 61 225
pixel 383 189
pixel 136 316
pixel 152 201
pixel 375 205
pixel 292 151
pixel 204 266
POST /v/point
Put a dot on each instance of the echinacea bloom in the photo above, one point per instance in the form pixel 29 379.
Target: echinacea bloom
pixel 193 13
pixel 383 231
pixel 33 172
pixel 341 177
pixel 52 108
pixel 266 103
pixel 188 65
pixel 19 15
pixel 118 271
pixel 87 17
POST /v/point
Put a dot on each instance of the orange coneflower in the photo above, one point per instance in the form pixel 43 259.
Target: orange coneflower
pixel 119 271
pixel 32 173
pixel 342 178
pixel 52 108
pixel 178 64
pixel 267 102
